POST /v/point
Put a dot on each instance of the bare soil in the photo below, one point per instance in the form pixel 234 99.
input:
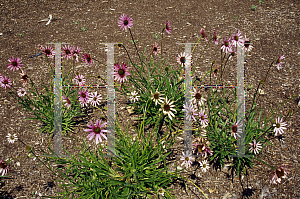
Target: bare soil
pixel 273 28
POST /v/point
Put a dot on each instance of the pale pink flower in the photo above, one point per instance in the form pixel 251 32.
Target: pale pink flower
pixel 75 53
pixel 279 126
pixel 5 82
pixel 203 118
pixel 15 63
pixel 226 46
pixel 125 22
pixel 236 129
pixel 67 102
pixel 155 49
pixel 96 131
pixel 255 147
pixel 215 73
pixel 190 112
pixel 236 39
pixel 279 65
pixel 279 173
pixel 21 92
pixel 94 99
pixel 83 97
pixel 197 97
pixel 79 79
pixel 187 159
pixel 181 58
pixel 157 97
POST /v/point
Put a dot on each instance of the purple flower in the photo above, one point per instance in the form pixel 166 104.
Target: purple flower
pixel 226 46
pixel 3 167
pixel 281 57
pixel 190 111
pixel 203 34
pixel 96 131
pixel 67 51
pixel 5 82
pixel 255 147
pixel 47 50
pixel 187 159
pixel 125 22
pixel 235 129
pixel 121 72
pixel 15 63
pixel 215 38
pixel 168 27
pixel 279 126
pixel 236 39
pixel 87 58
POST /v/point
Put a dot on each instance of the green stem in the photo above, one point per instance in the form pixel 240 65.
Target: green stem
pixel 134 44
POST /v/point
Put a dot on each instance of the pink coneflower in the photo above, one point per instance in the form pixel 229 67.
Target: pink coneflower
pixel 199 148
pixel 204 165
pixel 247 45
pixel 15 63
pixel 279 173
pixel 187 159
pixel 181 58
pixel 168 27
pixel 255 147
pixel 279 126
pixel 47 50
pixel 226 46
pixel 281 57
pixel 236 39
pixel 215 38
pixel 79 79
pixel 94 99
pixel 67 102
pixel 190 111
pixel 215 73
pixel 197 97
pixel 24 77
pixel 121 72
pixel 203 118
pixel 235 129
pixel 75 53
pixel 167 108
pixel 83 97
pixel 125 22
pixel 203 34
pixel 87 59
pixel 3 167
pixel 67 51
pixel 155 49
pixel 96 131
pixel 21 92
pixel 134 96
pixel 11 138
pixel 5 82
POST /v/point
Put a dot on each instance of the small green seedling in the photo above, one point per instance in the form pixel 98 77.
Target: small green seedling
pixel 21 35
pixel 260 1
pixel 83 29
pixel 253 7
pixel 156 35
pixel 234 18
pixel 75 22
pixel 134 41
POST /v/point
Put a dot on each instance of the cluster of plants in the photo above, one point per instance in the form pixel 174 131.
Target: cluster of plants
pixel 138 168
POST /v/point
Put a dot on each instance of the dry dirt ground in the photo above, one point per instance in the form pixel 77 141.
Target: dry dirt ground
pixel 273 28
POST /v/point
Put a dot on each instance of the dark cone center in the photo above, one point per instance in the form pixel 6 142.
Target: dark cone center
pixel 126 22
pixel 167 107
pixel 14 63
pixel 182 60
pixel 156 96
pixel 97 130
pixel 47 51
pixel 234 129
pixel 198 96
pixel 121 71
